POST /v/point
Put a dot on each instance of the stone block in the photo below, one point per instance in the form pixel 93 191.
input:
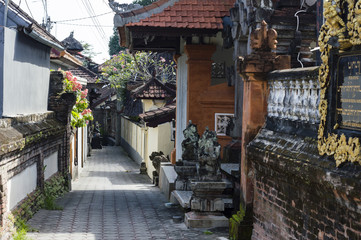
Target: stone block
pixel 207 205
pixel 182 197
pixel 205 220
pixel 167 177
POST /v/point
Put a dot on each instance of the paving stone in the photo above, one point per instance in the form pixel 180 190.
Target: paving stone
pixel 111 200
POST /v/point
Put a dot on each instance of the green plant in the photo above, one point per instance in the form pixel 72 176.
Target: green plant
pixel 80 113
pixel 21 229
pixel 53 189
pixel 21 235
pixel 125 67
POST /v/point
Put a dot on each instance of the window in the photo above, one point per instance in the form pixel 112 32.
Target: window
pixel 221 122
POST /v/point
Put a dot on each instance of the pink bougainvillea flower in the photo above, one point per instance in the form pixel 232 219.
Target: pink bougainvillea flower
pixel 84 93
pixel 69 76
pixel 162 59
pixel 86 111
pixel 78 86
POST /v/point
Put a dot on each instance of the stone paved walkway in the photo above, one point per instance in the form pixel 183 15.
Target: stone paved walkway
pixel 111 200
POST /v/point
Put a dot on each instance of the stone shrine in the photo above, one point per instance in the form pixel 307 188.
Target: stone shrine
pixel 186 167
pixel 199 185
pixel 207 200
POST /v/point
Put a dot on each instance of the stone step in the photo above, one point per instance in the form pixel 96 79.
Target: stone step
pixel 183 198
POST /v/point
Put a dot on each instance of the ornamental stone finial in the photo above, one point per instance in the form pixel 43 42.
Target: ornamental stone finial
pixel 121 8
pixel 263 38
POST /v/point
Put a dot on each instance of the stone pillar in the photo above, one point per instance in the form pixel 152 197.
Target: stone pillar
pixel 199 78
pixel 254 69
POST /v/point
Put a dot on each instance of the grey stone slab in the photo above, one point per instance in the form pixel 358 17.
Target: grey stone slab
pixel 167 177
pixel 183 198
pixel 230 167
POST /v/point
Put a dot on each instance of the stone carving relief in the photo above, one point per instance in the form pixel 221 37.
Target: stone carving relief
pixel 295 100
pixel 340 31
pixel 190 142
pixel 208 155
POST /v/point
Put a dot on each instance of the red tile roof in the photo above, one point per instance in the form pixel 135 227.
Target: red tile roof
pixel 85 73
pixel 190 14
pixel 105 93
pixel 153 89
pixel 159 116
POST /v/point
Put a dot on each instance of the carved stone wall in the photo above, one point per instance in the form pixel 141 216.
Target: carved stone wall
pixel 294 95
pixel 297 193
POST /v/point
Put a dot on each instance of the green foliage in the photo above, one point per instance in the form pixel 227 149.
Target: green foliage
pixel 21 229
pixel 113 44
pixel 125 67
pixel 21 235
pixel 207 232
pixel 235 221
pixel 53 189
pixel 88 50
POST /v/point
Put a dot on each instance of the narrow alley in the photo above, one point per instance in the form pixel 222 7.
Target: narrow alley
pixel 111 200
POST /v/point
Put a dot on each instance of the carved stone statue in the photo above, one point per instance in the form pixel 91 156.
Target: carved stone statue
pixel 157 158
pixel 190 143
pixel 263 38
pixel 208 155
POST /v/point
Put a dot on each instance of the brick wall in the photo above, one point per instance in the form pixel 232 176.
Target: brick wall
pixel 298 195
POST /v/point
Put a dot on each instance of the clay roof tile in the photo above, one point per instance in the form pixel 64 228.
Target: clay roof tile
pixel 187 14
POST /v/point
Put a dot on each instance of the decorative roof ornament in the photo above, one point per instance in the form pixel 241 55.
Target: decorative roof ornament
pixel 263 38
pixel 72 44
pixel 123 7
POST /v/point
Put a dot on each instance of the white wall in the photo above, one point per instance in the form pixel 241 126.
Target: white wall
pixel 152 146
pixel 21 185
pixel 164 143
pixel 181 117
pixel 51 163
pixel 79 147
pixel 133 139
pixel 26 74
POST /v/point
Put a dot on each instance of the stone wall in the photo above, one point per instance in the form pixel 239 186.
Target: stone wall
pixel 297 193
pixel 29 139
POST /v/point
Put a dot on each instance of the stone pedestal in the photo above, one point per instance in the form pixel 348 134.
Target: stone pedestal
pixel 205 220
pixel 186 173
pixel 206 205
pixel 207 196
